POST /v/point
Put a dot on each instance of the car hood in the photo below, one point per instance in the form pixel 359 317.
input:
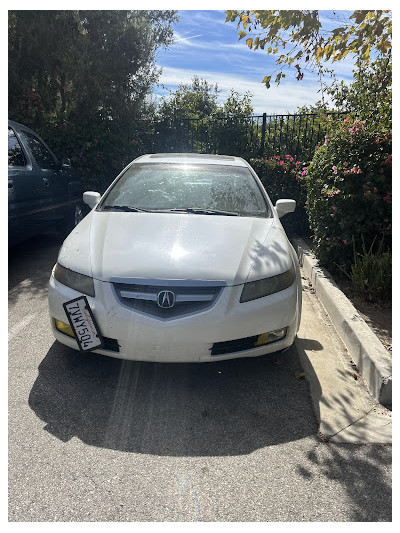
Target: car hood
pixel 110 245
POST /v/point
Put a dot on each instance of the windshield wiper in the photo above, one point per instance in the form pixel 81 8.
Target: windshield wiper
pixel 127 208
pixel 201 211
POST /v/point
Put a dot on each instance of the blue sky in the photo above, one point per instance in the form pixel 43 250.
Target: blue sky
pixel 208 47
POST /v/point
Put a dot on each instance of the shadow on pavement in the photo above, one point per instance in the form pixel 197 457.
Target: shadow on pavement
pixel 361 470
pixel 209 409
pixel 29 266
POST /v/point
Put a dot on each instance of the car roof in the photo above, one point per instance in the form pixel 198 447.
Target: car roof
pixel 17 125
pixel 187 158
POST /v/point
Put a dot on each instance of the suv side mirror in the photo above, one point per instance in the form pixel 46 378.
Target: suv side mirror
pixel 91 198
pixel 285 206
pixel 66 162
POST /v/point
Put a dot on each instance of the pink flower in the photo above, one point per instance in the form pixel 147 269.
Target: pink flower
pixel 328 239
pixel 334 208
pixel 338 191
pixel 345 164
pixel 287 156
pixel 334 167
pixel 388 197
pixel 298 163
pixel 345 241
pixel 332 215
pixel 356 170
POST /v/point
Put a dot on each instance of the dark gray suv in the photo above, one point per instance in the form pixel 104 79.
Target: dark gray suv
pixel 43 192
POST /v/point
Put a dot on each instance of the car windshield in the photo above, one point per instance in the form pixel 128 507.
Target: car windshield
pixel 198 189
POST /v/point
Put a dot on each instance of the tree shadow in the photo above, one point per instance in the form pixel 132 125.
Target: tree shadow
pixel 361 471
pixel 266 257
pixel 359 468
pixel 210 409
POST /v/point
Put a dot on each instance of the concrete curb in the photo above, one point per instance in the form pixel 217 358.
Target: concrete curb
pixel 373 361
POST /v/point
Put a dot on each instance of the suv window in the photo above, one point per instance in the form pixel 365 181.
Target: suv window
pixel 16 156
pixel 43 157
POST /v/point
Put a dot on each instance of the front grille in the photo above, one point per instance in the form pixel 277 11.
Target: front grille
pixel 185 299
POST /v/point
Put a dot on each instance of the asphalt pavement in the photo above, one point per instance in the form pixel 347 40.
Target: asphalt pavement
pixel 95 439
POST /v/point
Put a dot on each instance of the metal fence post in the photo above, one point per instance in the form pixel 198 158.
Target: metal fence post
pixel 264 125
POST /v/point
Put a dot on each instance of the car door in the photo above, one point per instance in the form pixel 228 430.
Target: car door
pixel 64 190
pixel 28 191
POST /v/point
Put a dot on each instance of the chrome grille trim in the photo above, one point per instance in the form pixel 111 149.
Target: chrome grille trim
pixel 189 298
pixel 194 298
pixel 138 295
pixel 169 282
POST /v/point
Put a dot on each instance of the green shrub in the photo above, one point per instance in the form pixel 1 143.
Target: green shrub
pixel 371 272
pixel 349 190
pixel 98 149
pixel 280 177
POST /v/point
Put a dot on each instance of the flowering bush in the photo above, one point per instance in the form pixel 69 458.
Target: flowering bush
pixel 280 176
pixel 349 190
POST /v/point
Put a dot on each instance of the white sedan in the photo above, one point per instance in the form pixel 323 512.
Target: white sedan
pixel 183 259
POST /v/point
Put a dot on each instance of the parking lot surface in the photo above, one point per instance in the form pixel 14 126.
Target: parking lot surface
pixel 97 439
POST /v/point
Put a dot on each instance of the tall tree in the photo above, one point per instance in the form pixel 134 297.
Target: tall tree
pixel 296 36
pixel 83 61
pixel 197 99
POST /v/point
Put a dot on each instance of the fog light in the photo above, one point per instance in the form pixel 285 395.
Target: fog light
pixel 270 336
pixel 63 328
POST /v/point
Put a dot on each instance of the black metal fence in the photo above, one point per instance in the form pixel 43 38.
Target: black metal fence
pixel 258 135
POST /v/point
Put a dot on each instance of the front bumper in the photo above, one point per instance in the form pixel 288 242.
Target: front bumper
pixel 188 338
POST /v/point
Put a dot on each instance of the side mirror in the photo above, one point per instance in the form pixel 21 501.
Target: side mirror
pixel 66 162
pixel 91 198
pixel 285 206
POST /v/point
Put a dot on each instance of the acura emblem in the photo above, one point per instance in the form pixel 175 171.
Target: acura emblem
pixel 166 299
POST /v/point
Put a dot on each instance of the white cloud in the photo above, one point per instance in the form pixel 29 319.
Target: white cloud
pixel 186 40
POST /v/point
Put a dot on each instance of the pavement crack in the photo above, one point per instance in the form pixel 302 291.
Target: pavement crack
pixel 328 438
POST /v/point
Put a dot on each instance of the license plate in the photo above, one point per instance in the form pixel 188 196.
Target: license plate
pixel 83 324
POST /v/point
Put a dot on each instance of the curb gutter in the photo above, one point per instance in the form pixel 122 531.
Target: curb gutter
pixel 373 361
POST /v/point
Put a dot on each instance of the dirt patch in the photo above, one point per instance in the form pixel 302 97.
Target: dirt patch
pixel 378 314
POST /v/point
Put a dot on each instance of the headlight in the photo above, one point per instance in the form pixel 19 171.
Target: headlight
pixel 74 280
pixel 264 287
